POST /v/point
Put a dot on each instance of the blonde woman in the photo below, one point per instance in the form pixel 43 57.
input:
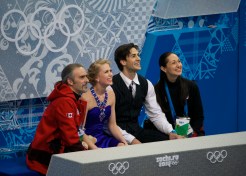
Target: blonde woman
pixel 101 107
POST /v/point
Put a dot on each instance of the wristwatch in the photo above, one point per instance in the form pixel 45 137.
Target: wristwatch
pixel 173 131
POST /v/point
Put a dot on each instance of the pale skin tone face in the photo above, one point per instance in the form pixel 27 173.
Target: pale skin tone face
pixel 79 81
pixel 105 76
pixel 173 69
pixel 132 63
pixel 104 79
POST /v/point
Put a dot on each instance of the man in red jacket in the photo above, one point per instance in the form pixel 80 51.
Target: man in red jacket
pixel 57 131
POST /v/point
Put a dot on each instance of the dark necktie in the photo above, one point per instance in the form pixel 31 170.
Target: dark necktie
pixel 131 87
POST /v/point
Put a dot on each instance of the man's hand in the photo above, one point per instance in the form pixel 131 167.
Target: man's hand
pixel 135 141
pixel 175 136
pixel 85 145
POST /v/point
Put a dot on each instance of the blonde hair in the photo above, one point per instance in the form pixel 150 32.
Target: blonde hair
pixel 94 70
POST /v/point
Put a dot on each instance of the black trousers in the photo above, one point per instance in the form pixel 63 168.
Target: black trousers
pixel 147 134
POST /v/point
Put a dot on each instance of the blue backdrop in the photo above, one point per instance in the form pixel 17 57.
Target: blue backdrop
pixel 213 54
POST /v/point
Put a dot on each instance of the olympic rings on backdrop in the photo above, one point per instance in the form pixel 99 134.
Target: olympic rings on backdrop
pixel 67 41
pixel 54 19
pixel 118 167
pixel 2 24
pixel 30 25
pixel 217 156
pixel 25 26
pixel 82 18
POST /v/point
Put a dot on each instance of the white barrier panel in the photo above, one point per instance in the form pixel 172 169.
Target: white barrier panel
pixel 215 155
pixel 169 9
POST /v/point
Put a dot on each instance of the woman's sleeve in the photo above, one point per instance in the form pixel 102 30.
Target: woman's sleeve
pixel 195 109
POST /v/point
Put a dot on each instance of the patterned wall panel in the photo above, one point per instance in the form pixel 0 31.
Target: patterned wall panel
pixel 38 39
pixel 18 122
pixel 241 68
pixel 199 41
pixel 208 49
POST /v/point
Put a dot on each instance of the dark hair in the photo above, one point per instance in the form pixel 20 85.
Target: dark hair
pixel 163 60
pixel 122 52
pixel 67 72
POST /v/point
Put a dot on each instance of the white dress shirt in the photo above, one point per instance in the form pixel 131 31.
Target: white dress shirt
pixel 152 108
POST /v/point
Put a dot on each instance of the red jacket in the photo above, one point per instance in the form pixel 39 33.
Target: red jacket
pixel 57 131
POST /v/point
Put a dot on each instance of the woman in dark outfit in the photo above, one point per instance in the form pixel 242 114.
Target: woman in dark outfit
pixel 177 96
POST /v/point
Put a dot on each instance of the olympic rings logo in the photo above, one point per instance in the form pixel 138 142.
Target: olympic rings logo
pixel 118 167
pixel 217 156
pixel 26 25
